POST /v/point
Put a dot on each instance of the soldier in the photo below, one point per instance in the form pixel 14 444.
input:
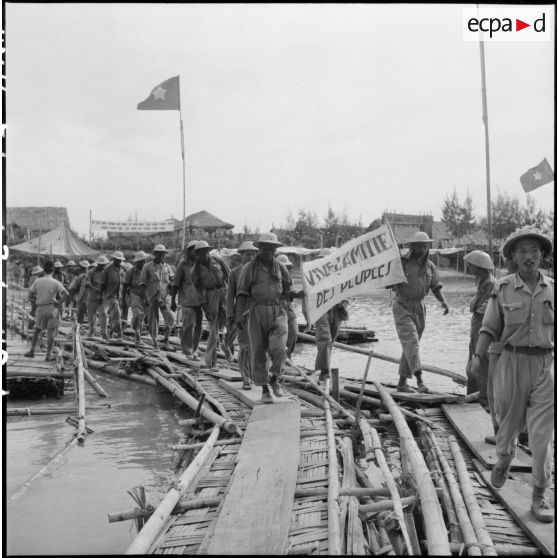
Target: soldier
pixel 209 276
pixel 59 273
pixel 409 310
pixel 156 278
pixel 520 314
pixel 77 291
pixel 36 272
pixel 263 293
pixel 110 293
pixel 481 267
pixel 46 292
pixel 92 283
pixel 247 251
pixel 190 302
pixel 292 321
pixel 131 293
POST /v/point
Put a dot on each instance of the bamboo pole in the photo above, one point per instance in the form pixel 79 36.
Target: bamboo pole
pixel 504 549
pixel 334 537
pixel 435 528
pixel 21 373
pixel 458 378
pixel 30 411
pixel 372 445
pixel 469 536
pixel 475 514
pixel 81 432
pixel 114 371
pixel 384 505
pixel 361 394
pixel 159 375
pixel 158 519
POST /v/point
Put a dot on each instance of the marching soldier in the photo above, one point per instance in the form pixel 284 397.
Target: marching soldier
pixel 132 295
pixel 92 284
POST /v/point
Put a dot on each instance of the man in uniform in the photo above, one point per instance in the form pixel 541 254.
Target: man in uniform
pixel 210 276
pixel 110 296
pixel 481 266
pixel 59 273
pixel 92 283
pixel 263 293
pixel 36 272
pixel 77 290
pixel 409 310
pixel 46 292
pixel 247 251
pixel 292 321
pixel 156 278
pixel 131 293
pixel 520 314
pixel 190 302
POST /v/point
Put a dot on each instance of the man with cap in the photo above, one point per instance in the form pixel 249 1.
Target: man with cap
pixel 247 251
pixel 77 291
pixel 481 266
pixel 263 294
pixel 156 278
pixel 132 295
pixel 59 273
pixel 209 277
pixel 110 296
pixel 409 310
pixel 520 314
pixel 292 321
pixel 46 292
pixel 190 302
pixel 92 285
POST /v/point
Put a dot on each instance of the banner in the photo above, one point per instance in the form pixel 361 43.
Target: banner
pixel 133 226
pixel 360 266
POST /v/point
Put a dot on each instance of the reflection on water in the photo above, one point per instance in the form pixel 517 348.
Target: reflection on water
pixel 66 512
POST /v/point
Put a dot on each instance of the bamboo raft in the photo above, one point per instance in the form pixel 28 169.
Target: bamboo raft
pixel 372 476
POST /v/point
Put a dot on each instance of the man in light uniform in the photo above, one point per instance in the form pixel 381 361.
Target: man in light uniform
pixel 131 293
pixel 520 314
pixel 247 251
pixel 190 302
pixel 111 279
pixel 47 293
pixel 156 278
pixel 92 284
pixel 409 310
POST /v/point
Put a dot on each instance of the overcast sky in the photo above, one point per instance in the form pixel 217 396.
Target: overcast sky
pixel 362 107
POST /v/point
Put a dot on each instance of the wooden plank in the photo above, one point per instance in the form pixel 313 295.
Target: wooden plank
pixel 225 374
pixel 253 396
pixel 516 497
pixel 473 423
pixel 256 513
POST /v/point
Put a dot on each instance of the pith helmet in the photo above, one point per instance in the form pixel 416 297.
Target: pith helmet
pixel 521 234
pixel 267 238
pixel 71 263
pixel 118 256
pixel 419 236
pixel 247 246
pixel 36 270
pixel 284 259
pixel 58 264
pixel 480 259
pixel 84 264
pixel 191 244
pixel 202 245
pixel 102 260
pixel 140 256
pixel 160 248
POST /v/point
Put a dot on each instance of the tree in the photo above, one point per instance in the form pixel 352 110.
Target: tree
pixel 458 218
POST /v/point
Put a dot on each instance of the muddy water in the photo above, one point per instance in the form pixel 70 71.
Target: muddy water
pixel 66 511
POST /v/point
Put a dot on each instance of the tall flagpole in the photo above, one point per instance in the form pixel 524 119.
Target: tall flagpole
pixel 486 146
pixel 183 170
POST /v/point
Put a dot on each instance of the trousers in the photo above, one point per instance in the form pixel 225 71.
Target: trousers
pixel 110 309
pixel 153 317
pixel 192 317
pixel 409 324
pixel 93 305
pixel 292 331
pixel 214 309
pixel 326 328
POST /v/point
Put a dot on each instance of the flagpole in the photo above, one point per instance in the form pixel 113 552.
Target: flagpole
pixel 486 146
pixel 183 169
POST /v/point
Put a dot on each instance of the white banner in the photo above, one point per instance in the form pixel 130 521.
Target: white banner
pixel 133 226
pixel 360 266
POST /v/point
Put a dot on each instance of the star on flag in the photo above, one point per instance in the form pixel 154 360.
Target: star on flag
pixel 537 176
pixel 165 96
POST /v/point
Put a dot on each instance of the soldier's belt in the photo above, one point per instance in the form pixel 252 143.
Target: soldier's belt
pixel 527 350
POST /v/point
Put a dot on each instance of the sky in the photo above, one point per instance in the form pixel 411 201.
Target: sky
pixel 361 107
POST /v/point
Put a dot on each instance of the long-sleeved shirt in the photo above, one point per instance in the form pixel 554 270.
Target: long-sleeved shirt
pixel 110 282
pixel 187 292
pixel 92 283
pixel 519 317
pixel 232 288
pixel 47 290
pixel 132 280
pixel 261 284
pixel 156 277
pixel 420 279
pixel 211 276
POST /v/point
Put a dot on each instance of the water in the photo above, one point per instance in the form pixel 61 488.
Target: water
pixel 66 512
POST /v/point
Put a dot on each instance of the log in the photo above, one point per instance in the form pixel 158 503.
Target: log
pixel 435 528
pixel 22 373
pixel 180 393
pixel 90 379
pixel 157 521
pixel 333 527
pixel 458 378
pixel 179 447
pixel 81 432
pixel 372 445
pixel 383 505
pixel 115 371
pixel 475 514
pixel 469 536
pixel 31 411
pixel 503 549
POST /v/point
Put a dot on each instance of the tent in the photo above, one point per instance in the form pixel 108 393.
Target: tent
pixel 60 242
pixel 204 220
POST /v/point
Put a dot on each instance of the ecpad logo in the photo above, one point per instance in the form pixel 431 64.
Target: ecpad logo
pixel 507 24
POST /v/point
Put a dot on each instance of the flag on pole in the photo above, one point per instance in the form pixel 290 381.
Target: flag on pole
pixel 165 96
pixel 537 176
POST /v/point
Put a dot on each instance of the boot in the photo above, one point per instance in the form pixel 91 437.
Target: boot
pixel 266 396
pixel 137 336
pixel 540 507
pixel 324 375
pixel 275 386
pixel 402 385
pixel 420 384
pixel 499 474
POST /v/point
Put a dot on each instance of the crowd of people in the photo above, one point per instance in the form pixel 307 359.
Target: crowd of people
pixel 511 348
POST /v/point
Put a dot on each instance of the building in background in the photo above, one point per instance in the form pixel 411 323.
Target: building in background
pixel 25 223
